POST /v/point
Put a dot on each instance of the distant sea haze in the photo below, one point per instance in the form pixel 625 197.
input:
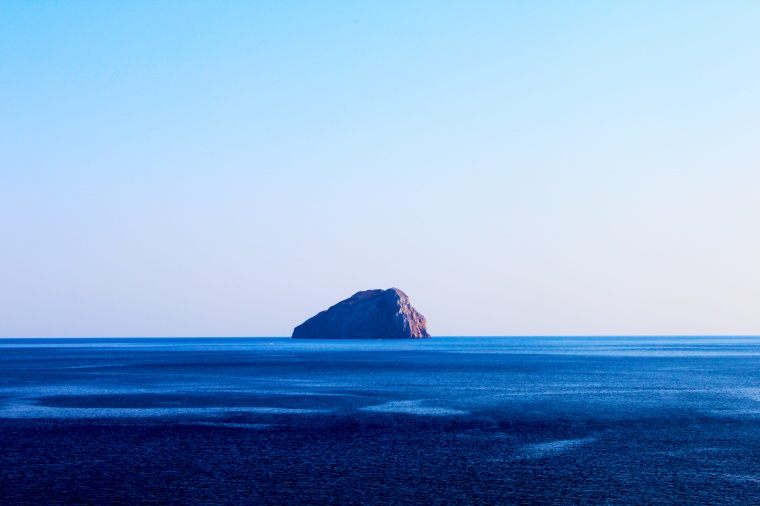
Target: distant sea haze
pixel 465 420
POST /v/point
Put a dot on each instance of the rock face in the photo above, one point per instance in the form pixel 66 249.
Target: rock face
pixel 372 314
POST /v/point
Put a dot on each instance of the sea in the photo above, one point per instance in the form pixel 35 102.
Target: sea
pixel 448 420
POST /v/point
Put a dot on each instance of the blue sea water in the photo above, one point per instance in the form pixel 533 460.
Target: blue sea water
pixel 458 420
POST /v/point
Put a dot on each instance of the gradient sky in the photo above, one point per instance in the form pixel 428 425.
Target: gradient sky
pixel 231 168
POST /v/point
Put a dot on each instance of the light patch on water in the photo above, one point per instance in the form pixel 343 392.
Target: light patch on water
pixel 257 426
pixel 503 393
pixel 748 412
pixel 583 352
pixel 306 383
pixel 21 410
pixel 746 393
pixel 551 448
pixel 267 391
pixel 35 392
pixel 746 409
pixel 38 391
pixel 743 478
pixel 413 408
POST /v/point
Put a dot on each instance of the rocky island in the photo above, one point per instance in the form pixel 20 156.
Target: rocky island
pixel 371 314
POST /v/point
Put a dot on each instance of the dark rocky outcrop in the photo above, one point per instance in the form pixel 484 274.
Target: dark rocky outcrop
pixel 372 314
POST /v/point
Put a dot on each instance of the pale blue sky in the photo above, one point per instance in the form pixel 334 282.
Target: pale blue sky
pixel 231 168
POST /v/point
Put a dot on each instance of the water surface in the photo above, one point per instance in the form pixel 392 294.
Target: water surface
pixel 558 420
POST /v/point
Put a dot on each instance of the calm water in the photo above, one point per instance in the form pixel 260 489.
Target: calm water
pixel 443 421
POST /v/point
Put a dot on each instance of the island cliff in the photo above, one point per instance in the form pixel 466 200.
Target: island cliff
pixel 371 314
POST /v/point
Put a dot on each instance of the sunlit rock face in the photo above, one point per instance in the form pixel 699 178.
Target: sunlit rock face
pixel 371 314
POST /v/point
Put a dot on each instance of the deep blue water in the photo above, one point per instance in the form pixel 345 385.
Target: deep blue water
pixel 561 420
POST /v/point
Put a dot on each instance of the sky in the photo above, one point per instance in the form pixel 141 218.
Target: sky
pixel 229 168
